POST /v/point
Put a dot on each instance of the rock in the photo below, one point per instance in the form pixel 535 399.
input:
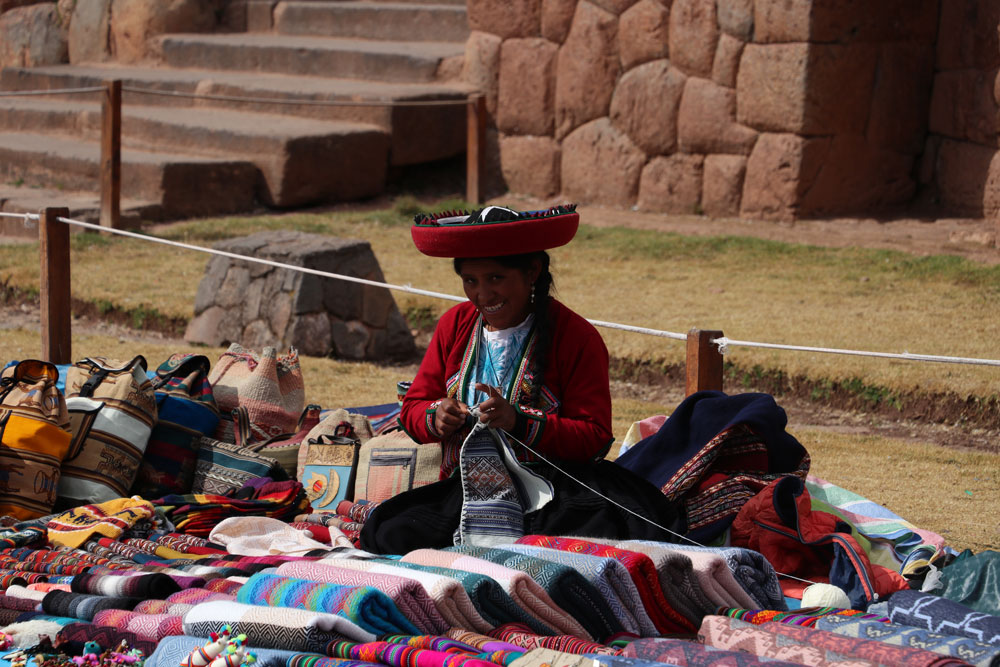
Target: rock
pixel 482 66
pixel 399 342
pixel 256 335
pixel 841 78
pixel 601 164
pixel 845 21
pixel 779 168
pixel 531 165
pixel 722 185
pixel 968 178
pixel 963 106
pixel 726 65
pixel 314 335
pixel 693 36
pixel 587 68
pixel 135 22
pixel 645 106
pixel 902 90
pixel 672 184
pixel 350 339
pixel 207 328
pixel 7 5
pixel 506 18
pixel 928 159
pixel 786 21
pixel 614 6
pixel 967 35
pixel 557 16
pixel 706 120
pixel 736 18
pixel 215 273
pixel 527 78
pixel 770 87
pixel 233 288
pixel 377 304
pixel 32 36
pixel 643 33
pixel 279 312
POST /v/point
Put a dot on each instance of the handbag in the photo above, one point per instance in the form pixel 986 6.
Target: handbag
pixel 392 463
pixel 112 410
pixel 34 438
pixel 223 467
pixel 285 448
pixel 269 386
pixel 186 412
pixel 329 425
pixel 331 465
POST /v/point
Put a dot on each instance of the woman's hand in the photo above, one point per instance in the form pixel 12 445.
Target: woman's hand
pixel 449 416
pixel 495 411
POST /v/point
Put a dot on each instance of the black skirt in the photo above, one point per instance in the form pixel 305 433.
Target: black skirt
pixel 427 518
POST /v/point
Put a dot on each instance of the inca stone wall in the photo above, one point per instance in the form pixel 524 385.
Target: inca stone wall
pixel 258 305
pixel 772 109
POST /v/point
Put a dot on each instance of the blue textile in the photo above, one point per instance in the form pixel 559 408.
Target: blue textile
pixel 923 610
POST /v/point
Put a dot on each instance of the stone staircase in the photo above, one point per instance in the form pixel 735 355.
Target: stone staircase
pixel 263 135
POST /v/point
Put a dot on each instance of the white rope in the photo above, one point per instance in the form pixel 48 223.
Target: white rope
pixel 26 216
pixel 724 344
pixel 323 103
pixel 56 91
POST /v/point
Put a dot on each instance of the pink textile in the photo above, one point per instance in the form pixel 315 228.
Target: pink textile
pixel 148 626
pixel 735 635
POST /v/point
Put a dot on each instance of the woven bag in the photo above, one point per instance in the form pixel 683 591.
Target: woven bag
pixel 223 467
pixel 393 463
pixel 268 386
pixel 331 425
pixel 331 466
pixel 285 448
pixel 34 438
pixel 112 410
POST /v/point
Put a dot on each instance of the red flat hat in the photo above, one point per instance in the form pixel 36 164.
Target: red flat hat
pixel 494 231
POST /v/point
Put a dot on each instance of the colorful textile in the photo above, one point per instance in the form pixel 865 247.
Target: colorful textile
pixel 519 635
pixel 172 650
pixel 9 578
pixel 639 567
pixel 685 653
pixel 408 595
pixel 162 607
pixel 264 536
pixel 922 610
pixel 17 603
pixel 196 595
pixel 806 616
pixel 734 635
pixel 149 626
pixel 226 586
pixel 402 655
pixel 109 519
pixel 280 628
pixel 366 606
pixel 11 538
pixel 481 642
pixel 963 648
pixel 524 590
pixel 491 505
pixel 973 580
pixel 141 586
pixel 82 606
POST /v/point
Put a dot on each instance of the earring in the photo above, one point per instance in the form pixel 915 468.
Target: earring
pixel 532 293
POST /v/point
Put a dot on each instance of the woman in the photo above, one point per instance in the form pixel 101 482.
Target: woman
pixel 523 364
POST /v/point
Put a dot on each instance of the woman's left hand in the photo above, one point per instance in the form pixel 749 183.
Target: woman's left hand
pixel 495 411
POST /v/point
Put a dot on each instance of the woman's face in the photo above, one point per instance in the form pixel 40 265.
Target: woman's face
pixel 501 294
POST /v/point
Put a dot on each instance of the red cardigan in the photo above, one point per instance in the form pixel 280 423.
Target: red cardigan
pixel 571 419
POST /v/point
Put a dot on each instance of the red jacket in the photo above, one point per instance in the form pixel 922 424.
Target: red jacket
pixel 780 523
pixel 571 419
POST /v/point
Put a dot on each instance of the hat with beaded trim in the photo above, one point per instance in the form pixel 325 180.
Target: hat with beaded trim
pixel 494 231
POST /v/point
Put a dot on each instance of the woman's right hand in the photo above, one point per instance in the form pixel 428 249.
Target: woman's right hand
pixel 449 416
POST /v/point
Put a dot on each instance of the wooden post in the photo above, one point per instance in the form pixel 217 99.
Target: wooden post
pixel 53 237
pixel 704 362
pixel 111 154
pixel 475 148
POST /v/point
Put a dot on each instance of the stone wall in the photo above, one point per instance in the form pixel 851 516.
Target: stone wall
pixel 258 305
pixel 760 108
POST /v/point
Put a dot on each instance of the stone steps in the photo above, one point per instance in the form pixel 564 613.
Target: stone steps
pixel 418 134
pixel 314 56
pixel 388 21
pixel 82 205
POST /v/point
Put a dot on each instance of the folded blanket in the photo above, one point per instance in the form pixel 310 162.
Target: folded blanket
pixel 408 595
pixel 143 586
pixel 162 607
pixel 734 635
pixel 401 655
pixel 366 606
pixel 806 616
pixel 228 586
pixel 196 595
pixel 521 636
pixel 717 581
pixel 937 614
pixel 609 577
pixel 17 603
pixel 524 590
pixel 83 606
pixel 964 648
pixel 148 626
pixel 693 654
pixel 19 591
pixel 279 628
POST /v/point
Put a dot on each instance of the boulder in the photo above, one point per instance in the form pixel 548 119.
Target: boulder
pixel 135 22
pixel 614 6
pixel 587 68
pixel 506 18
pixel 32 36
pixel 645 106
pixel 722 185
pixel 770 87
pixel 527 80
pixel 557 16
pixel 968 178
pixel 531 165
pixel 601 164
pixel 845 21
pixel 901 94
pixel 481 68
pixel 786 21
pixel 779 169
pixel 672 184
pixel 706 120
pixel 967 35
pixel 736 18
pixel 643 33
pixel 6 5
pixel 726 65
pixel 694 32
pixel 963 106
pixel 89 26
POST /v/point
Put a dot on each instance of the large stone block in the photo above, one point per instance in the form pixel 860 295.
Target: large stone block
pixel 645 106
pixel 6 5
pixel 482 66
pixel 135 22
pixel 963 106
pixel 779 169
pixel 587 68
pixel 614 6
pixel 694 32
pixel 722 185
pixel 726 65
pixel 531 165
pixel 557 16
pixel 706 120
pixel 32 36
pixel 601 164
pixel 527 86
pixel 967 36
pixel 770 87
pixel 644 33
pixel 844 21
pixel 968 178
pixel 736 18
pixel 506 18
pixel 900 96
pixel 672 184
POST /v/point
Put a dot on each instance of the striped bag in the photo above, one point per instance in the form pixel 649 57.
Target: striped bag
pixel 34 438
pixel 225 466
pixel 112 410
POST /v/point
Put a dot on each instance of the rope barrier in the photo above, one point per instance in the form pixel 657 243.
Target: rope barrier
pixel 27 217
pixel 724 343
pixel 57 91
pixel 324 103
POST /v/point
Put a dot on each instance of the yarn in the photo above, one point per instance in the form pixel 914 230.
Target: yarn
pixel 825 595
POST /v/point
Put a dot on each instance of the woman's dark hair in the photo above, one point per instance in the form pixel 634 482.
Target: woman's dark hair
pixel 544 284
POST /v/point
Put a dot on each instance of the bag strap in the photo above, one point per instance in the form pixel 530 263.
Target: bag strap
pixel 346 429
pixel 87 390
pixel 241 426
